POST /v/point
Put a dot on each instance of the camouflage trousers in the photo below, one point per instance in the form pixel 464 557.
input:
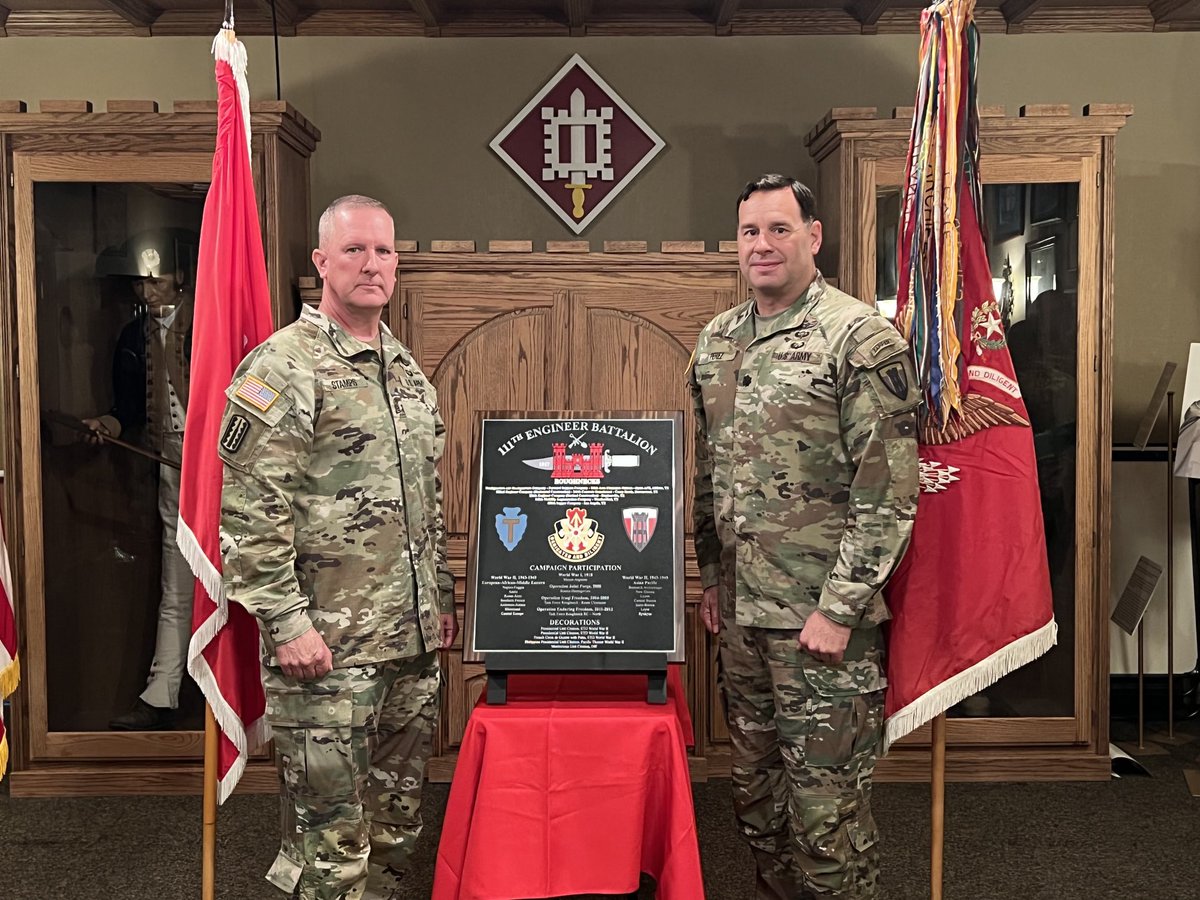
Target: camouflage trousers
pixel 351 749
pixel 805 737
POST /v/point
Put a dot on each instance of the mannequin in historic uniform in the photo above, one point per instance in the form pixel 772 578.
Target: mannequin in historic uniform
pixel 150 391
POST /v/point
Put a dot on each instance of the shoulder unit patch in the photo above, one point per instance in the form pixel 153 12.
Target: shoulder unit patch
pixel 235 432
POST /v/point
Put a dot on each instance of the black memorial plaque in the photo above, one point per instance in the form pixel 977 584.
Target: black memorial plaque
pixel 577 550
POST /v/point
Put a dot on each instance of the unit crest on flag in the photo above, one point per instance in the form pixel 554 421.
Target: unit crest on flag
pixel 987 330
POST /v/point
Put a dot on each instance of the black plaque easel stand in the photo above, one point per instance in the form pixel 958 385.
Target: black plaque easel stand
pixel 499 665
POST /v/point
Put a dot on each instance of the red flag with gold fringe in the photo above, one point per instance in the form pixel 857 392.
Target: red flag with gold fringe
pixel 971 600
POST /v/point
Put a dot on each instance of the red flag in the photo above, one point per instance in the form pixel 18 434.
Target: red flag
pixel 971 600
pixel 10 667
pixel 232 316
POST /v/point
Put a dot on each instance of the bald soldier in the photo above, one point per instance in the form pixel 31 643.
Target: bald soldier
pixel 806 490
pixel 333 539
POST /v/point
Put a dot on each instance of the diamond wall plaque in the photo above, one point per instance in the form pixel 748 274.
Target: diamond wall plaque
pixel 577 144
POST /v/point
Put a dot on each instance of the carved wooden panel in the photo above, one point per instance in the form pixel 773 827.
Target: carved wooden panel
pixel 631 340
pixel 486 343
pixel 465 682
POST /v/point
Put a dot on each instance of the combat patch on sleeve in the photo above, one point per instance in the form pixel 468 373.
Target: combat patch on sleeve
pixel 895 379
pixel 894 385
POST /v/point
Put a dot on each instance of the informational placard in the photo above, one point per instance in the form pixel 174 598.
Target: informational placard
pixel 576 545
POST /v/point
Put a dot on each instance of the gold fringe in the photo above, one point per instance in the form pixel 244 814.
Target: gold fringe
pixel 8 681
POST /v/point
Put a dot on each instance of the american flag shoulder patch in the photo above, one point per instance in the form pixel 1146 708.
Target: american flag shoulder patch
pixel 257 393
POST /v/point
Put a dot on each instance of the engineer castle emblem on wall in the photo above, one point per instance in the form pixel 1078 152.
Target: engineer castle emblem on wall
pixel 577 144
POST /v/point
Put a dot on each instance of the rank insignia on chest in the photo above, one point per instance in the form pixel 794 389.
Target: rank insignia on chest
pixel 257 393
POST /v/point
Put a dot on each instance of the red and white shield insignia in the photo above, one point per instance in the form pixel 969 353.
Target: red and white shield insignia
pixel 639 525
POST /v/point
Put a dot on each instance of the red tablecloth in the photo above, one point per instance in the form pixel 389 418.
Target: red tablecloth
pixel 575 786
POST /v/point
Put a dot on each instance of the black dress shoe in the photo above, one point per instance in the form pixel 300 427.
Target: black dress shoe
pixel 144 717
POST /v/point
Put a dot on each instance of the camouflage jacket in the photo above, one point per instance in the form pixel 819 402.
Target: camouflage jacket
pixel 806 460
pixel 331 511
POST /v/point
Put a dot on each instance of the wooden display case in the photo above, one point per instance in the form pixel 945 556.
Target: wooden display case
pixel 82 521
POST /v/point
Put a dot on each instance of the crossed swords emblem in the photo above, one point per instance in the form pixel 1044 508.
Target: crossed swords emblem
pixel 609 461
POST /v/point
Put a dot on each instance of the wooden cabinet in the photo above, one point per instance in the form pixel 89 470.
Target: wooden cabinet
pixel 1048 195
pixel 92 194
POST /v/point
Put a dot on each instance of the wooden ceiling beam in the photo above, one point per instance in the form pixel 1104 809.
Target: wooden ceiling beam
pixel 286 15
pixel 138 13
pixel 577 12
pixel 868 12
pixel 431 14
pixel 1164 11
pixel 1017 11
pixel 723 12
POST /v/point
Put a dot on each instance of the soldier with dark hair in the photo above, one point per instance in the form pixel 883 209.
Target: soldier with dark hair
pixel 806 488
pixel 151 372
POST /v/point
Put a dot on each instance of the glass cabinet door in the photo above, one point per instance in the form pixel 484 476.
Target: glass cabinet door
pixel 1032 231
pixel 106 279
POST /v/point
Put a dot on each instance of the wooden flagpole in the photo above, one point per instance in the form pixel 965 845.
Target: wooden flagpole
pixel 208 859
pixel 208 842
pixel 938 811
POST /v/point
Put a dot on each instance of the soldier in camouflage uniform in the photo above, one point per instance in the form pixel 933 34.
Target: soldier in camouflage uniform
pixel 806 489
pixel 332 537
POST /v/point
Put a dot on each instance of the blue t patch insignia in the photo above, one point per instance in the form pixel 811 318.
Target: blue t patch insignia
pixel 510 526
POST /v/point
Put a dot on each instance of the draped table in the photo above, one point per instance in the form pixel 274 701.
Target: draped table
pixel 575 786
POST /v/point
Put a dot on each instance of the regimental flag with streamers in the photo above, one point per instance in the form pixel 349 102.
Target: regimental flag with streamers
pixel 232 317
pixel 10 667
pixel 971 600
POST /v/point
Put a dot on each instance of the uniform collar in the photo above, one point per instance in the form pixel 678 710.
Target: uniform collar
pixel 790 318
pixel 346 344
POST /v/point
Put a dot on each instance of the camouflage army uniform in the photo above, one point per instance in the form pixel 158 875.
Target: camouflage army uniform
pixel 806 489
pixel 331 519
